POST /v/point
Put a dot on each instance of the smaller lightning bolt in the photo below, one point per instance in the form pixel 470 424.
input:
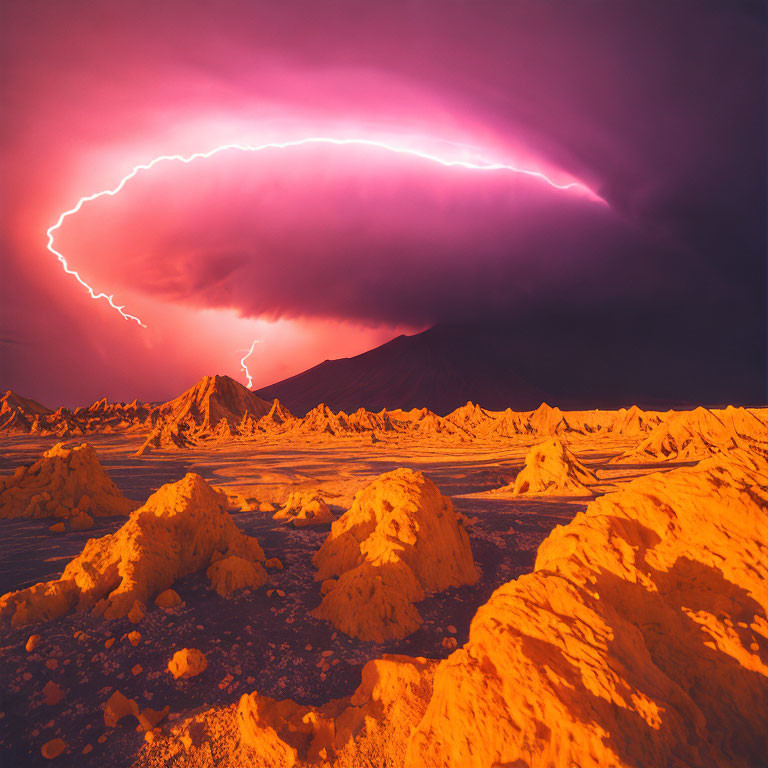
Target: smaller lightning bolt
pixel 245 367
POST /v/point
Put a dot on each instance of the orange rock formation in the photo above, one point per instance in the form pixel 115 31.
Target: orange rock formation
pixel 551 469
pixel 181 528
pixel 304 508
pixel 692 435
pixel 66 482
pixel 17 413
pixel 212 408
pixel 232 573
pixel 21 415
pixel 188 662
pixel 400 541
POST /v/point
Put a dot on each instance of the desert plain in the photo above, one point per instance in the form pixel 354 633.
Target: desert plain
pixel 214 581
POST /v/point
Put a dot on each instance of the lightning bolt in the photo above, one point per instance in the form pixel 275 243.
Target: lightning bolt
pixel 244 366
pixel 446 162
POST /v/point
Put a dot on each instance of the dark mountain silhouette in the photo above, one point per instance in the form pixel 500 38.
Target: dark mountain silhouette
pixel 572 363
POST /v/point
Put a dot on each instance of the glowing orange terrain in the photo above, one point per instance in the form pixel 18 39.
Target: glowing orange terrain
pixel 633 643
pixel 361 589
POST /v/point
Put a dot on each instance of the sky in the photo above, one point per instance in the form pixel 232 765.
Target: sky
pixel 654 111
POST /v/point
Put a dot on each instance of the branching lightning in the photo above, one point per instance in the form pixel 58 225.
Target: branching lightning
pixel 448 163
pixel 245 367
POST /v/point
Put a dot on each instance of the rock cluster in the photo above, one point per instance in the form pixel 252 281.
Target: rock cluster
pixel 182 528
pixel 66 482
pixel 641 638
pixel 400 541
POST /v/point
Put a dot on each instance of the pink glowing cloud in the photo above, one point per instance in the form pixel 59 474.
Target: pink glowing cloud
pixel 331 230
pixel 373 144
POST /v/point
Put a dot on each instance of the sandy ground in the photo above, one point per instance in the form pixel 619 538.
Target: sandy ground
pixel 252 641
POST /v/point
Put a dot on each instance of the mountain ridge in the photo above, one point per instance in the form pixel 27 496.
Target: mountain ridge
pixel 445 366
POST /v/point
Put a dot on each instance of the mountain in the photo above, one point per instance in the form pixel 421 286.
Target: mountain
pixel 578 365
pixel 440 369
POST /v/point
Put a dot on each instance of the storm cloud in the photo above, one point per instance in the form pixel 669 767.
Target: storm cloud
pixel 657 107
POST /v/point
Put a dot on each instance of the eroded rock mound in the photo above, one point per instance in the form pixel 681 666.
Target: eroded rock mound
pixel 233 573
pixel 180 530
pixel 165 435
pixel 471 418
pixel 211 400
pixel 188 662
pixel 633 422
pixel 17 413
pixel 66 482
pixel 400 541
pixel 304 508
pixel 640 639
pixel 552 469
pixel 669 442
pixel 212 409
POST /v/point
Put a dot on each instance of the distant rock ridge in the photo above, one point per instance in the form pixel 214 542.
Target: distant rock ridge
pixel 697 434
pixel 17 413
pixel 20 415
pixel 219 409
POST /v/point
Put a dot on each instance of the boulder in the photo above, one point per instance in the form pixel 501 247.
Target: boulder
pixel 187 662
pixel 53 748
pixel 168 598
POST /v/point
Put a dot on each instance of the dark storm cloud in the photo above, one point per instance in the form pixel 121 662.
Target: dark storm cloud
pixel 659 106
